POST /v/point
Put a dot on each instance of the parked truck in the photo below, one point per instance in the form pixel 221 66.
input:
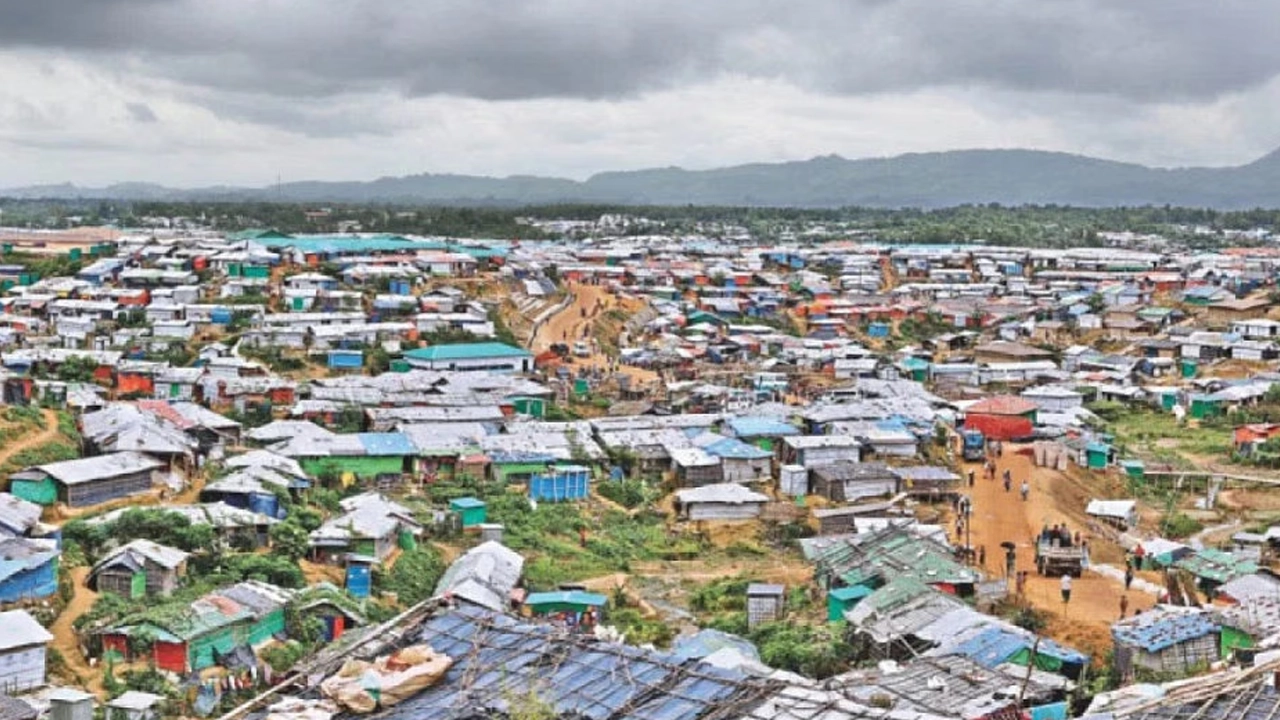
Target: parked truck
pixel 1055 560
pixel 975 445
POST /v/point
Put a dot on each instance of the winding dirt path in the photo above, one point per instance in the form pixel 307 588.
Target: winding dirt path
pixel 64 635
pixel 46 435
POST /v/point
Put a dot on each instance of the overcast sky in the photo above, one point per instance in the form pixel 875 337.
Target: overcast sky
pixel 205 92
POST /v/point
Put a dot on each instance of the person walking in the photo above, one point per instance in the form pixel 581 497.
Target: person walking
pixel 1128 577
pixel 1066 588
pixel 982 556
pixel 1020 583
pixel 1008 482
pixel 1026 490
pixel 970 478
pixel 1124 605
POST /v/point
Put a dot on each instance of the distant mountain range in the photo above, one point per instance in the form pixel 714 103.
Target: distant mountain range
pixel 928 180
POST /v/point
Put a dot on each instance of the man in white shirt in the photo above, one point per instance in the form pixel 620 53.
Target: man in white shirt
pixel 1066 587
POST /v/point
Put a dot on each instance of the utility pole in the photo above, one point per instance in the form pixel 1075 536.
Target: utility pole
pixel 968 527
pixel 1031 663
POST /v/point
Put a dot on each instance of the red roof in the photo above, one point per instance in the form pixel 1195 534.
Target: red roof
pixel 166 411
pixel 1003 405
pixel 999 427
pixel 1256 433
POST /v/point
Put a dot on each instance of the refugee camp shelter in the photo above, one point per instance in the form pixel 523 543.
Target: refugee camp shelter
pixel 1122 514
pixel 23 644
pixel 28 570
pixel 471 510
pixel 849 480
pixel 1165 639
pixel 87 481
pixel 138 569
pixel 724 502
pixel 484 576
pixel 764 603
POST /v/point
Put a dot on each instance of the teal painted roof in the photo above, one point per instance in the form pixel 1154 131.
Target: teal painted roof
pixel 466 503
pixel 856 592
pixel 565 597
pixel 355 244
pixel 261 235
pixel 467 351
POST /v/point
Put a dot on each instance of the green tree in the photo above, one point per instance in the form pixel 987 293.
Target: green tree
pixel 414 576
pixel 77 368
pixel 290 540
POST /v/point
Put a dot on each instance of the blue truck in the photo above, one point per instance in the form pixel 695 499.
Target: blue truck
pixel 975 445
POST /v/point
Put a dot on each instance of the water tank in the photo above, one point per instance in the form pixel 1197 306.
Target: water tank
pixel 70 704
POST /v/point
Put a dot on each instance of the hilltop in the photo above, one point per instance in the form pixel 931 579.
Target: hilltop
pixel 928 180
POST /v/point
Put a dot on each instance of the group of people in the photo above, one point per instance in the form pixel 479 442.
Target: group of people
pixel 1024 489
pixel 1060 535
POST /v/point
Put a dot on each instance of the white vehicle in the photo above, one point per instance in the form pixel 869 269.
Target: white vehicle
pixel 581 349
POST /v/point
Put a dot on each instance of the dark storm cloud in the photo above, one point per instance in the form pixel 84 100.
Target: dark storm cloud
pixel 141 112
pixel 1145 50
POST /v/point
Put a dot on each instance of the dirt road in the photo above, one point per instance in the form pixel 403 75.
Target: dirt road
pixel 64 636
pixel 569 325
pixel 1000 516
pixel 46 435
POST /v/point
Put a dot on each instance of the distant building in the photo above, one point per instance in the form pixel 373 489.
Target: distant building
pixel 488 357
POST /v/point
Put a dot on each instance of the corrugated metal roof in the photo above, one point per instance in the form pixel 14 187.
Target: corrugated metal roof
pixel 162 555
pixel 1003 405
pixel 895 553
pixel 756 426
pixel 732 448
pixel 498 660
pixel 18 629
pixel 1161 628
pixel 18 555
pixel 729 493
pixel 1216 565
pixel 484 576
pixel 17 515
pixel 75 472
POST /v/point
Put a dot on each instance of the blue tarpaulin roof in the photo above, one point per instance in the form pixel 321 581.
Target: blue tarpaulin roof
pixel 760 426
pixel 388 443
pixel 705 642
pixel 995 646
pixel 735 449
